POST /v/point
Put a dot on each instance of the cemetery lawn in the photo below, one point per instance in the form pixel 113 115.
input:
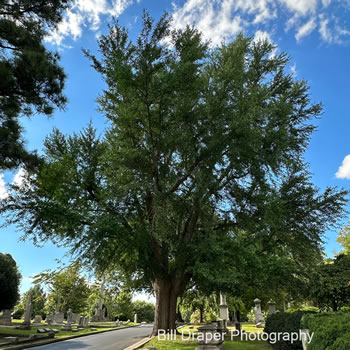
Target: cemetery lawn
pixel 246 326
pixel 235 344
pixel 191 345
pixel 61 334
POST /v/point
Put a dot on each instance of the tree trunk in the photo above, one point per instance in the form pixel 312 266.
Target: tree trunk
pixel 165 310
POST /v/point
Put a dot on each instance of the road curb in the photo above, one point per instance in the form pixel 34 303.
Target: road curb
pixel 140 343
pixel 53 340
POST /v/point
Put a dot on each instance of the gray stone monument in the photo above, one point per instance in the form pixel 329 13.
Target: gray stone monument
pixel 50 319
pixel 6 319
pixel 68 325
pixel 75 318
pixel 135 318
pixel 259 318
pixel 223 310
pixel 99 311
pixel 272 307
pixel 209 338
pixel 81 322
pixel 27 314
pixel 59 317
pixel 37 319
pixel 86 322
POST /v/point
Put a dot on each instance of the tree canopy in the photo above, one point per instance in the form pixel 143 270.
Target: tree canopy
pixel 344 238
pixel 9 281
pixel 68 289
pixel 31 79
pixel 331 285
pixel 200 176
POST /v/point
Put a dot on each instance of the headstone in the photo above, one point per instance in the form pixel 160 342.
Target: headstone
pixel 81 321
pixel 68 325
pixel 75 318
pixel 50 319
pixel 238 327
pixel 223 310
pixel 209 338
pixel 259 318
pixel 86 322
pixel 37 319
pixel 6 318
pixel 272 307
pixel 135 318
pixel 59 317
pixel 41 330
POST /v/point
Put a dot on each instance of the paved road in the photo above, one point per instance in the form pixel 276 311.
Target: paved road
pixel 114 340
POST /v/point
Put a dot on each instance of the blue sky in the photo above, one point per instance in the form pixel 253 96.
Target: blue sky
pixel 315 33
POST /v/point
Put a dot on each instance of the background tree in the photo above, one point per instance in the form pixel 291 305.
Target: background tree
pixel 344 239
pixel 9 281
pixel 124 306
pixel 200 177
pixel 31 79
pixel 38 297
pixel 144 311
pixel 67 288
pixel 331 285
pixel 205 305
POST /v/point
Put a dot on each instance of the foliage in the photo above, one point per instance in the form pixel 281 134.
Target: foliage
pixel 144 311
pixel 38 298
pixel 31 79
pixel 67 289
pixel 286 323
pixel 331 287
pixel 9 281
pixel 331 331
pixel 18 313
pixel 201 307
pixel 200 176
pixel 344 239
pixel 124 306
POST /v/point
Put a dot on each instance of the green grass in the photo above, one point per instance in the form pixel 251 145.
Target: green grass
pixel 61 334
pixel 191 345
pixel 246 326
pixel 235 344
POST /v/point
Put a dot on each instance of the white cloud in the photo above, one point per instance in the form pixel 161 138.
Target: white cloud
pixel 222 19
pixel 301 7
pixel 305 29
pixel 261 36
pixel 85 13
pixel 3 190
pixel 324 30
pixel 293 70
pixel 344 170
pixel 326 3
pixel 216 23
pixel 19 178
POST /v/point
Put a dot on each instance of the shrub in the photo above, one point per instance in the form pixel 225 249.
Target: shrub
pixel 331 331
pixel 286 322
pixel 17 315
